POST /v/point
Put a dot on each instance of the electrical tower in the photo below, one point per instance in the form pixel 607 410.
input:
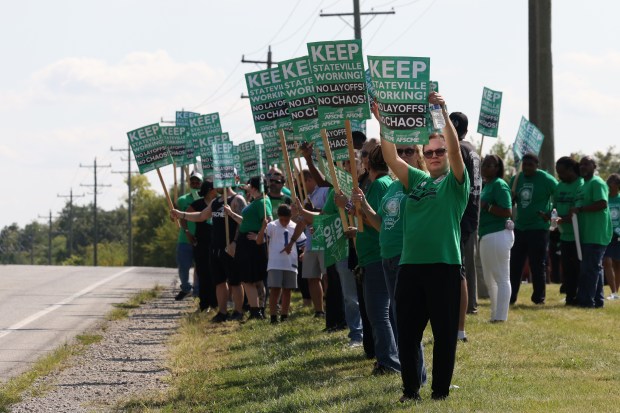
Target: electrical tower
pixel 357 17
pixel 267 62
pixel 129 213
pixel 94 166
pixel 49 239
pixel 70 196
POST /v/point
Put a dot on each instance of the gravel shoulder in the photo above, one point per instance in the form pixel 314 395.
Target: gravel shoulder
pixel 128 361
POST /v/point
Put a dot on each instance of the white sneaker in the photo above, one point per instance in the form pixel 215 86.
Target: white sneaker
pixel 355 344
pixel 614 296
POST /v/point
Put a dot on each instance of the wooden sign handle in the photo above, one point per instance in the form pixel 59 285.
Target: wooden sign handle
pixel 287 164
pixel 170 205
pixel 226 218
pixel 353 163
pixel 332 170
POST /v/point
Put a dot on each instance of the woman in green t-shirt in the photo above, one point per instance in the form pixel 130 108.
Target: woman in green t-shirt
pixel 251 258
pixel 496 236
pixel 429 282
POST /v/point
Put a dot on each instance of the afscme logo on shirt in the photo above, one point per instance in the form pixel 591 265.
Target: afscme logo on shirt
pixel 422 192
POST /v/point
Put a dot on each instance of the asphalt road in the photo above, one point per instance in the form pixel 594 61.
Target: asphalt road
pixel 43 307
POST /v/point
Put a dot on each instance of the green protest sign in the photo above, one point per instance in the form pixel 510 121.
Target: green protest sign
pixel 266 93
pixel 205 146
pixel 529 140
pixel 340 83
pixel 238 165
pixel 337 139
pixel 271 142
pixel 335 246
pixel 201 127
pixel 491 105
pixel 175 137
pixel 301 98
pixel 345 181
pixel 401 86
pixel 149 148
pixel 182 118
pixel 250 159
pixel 223 164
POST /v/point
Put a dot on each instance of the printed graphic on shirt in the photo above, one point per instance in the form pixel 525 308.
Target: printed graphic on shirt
pixel 421 192
pixel 391 209
pixel 525 195
pixel 476 186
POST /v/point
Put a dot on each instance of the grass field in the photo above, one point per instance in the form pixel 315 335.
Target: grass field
pixel 544 359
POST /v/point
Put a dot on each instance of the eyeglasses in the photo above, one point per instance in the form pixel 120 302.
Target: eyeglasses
pixel 438 152
pixel 365 154
pixel 277 181
pixel 406 151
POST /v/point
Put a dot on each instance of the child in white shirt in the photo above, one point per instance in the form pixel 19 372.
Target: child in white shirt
pixel 281 267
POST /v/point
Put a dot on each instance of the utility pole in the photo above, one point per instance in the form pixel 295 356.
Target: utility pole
pixel 70 196
pixel 129 213
pixel 541 78
pixel 357 23
pixel 267 62
pixel 49 238
pixel 95 186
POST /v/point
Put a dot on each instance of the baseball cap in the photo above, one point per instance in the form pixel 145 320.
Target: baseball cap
pixel 460 122
pixel 196 174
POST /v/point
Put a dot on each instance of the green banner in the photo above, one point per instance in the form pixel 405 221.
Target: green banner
pixel 175 137
pixel 529 140
pixel 340 83
pixel 223 164
pixel 491 105
pixel 205 146
pixel 301 98
pixel 266 93
pixel 149 148
pixel 334 243
pixel 401 86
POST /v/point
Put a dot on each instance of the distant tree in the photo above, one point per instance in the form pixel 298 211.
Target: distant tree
pixel 504 151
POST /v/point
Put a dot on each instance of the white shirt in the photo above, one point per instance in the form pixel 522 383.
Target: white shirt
pixel 278 237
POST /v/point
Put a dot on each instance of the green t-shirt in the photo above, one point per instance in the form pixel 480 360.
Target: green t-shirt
pixel 614 213
pixel 286 191
pixel 496 192
pixel 368 240
pixel 563 200
pixel 183 203
pixel 276 201
pixel 253 215
pixel 433 212
pixel 392 211
pixel 594 227
pixel 533 194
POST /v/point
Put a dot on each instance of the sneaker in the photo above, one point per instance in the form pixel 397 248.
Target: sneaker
pixel 319 314
pixel 220 318
pixel 614 296
pixel 181 295
pixel 380 370
pixel 355 344
pixel 236 316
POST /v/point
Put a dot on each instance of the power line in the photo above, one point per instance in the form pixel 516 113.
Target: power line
pixel 70 196
pixel 218 89
pixel 357 25
pixel 95 187
pixel 410 26
pixel 129 211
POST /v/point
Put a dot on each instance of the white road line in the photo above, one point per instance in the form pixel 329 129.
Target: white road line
pixel 36 316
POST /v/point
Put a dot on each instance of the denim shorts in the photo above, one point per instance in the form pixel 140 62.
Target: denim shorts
pixel 613 249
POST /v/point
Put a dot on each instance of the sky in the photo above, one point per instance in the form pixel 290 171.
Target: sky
pixel 77 75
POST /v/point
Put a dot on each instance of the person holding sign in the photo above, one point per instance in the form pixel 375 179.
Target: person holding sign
pixel 429 282
pixel 611 261
pixel 594 233
pixel 532 195
pixel 251 258
pixel 496 236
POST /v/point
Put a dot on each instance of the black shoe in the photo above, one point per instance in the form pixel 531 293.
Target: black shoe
pixel 415 397
pixel 380 370
pixel 220 318
pixel 283 318
pixel 181 295
pixel 274 319
pixel 255 314
pixel 439 396
pixel 236 316
pixel 319 314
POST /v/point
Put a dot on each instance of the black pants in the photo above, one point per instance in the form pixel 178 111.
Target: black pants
pixel 570 270
pixel 428 292
pixel 532 245
pixel 206 290
pixel 334 306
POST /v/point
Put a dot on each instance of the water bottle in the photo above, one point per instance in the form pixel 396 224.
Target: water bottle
pixel 554 220
pixel 437 116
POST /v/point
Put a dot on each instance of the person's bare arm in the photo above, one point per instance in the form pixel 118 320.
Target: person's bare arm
pixel 370 216
pixel 306 151
pixel 399 167
pixel 452 140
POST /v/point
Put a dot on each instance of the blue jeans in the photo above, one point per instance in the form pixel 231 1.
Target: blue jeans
pixel 390 271
pixel 378 308
pixel 185 258
pixel 590 289
pixel 351 304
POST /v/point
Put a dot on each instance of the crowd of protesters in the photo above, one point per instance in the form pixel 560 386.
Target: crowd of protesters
pixel 425 210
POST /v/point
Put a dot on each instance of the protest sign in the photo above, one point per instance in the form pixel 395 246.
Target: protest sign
pixel 301 98
pixel 205 146
pixel 266 93
pixel 175 137
pixel 149 148
pixel 401 86
pixel 182 118
pixel 529 140
pixel 223 164
pixel 238 165
pixel 271 142
pixel 345 181
pixel 340 82
pixel 490 108
pixel 250 159
pixel 333 242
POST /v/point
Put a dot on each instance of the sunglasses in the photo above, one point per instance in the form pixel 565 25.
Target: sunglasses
pixel 438 152
pixel 407 151
pixel 277 181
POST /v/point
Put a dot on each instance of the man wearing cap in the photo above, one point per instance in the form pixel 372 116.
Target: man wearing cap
pixel 469 222
pixel 276 193
pixel 186 240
